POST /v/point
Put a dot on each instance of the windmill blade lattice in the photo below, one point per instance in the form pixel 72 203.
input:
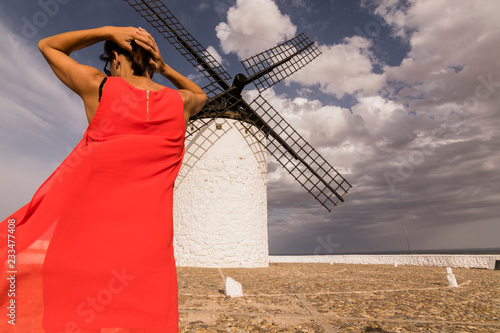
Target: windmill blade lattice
pixel 297 156
pixel 205 137
pixel 277 63
pixel 160 17
pixel 224 105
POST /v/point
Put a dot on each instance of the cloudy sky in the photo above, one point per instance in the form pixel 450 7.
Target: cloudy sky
pixel 404 102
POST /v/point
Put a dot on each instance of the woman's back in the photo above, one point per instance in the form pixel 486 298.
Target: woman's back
pixel 125 109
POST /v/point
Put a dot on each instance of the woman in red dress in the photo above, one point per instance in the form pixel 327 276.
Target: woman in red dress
pixel 110 261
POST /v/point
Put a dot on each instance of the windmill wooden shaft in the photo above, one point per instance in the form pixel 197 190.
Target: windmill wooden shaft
pixel 257 118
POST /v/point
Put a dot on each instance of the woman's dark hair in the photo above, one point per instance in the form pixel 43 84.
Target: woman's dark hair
pixel 139 57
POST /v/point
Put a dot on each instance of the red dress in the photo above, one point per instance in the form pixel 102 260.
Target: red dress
pixel 110 262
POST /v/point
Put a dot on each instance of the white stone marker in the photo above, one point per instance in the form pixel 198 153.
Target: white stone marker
pixel 452 281
pixel 233 288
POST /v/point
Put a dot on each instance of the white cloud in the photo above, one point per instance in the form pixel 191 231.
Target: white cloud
pixel 214 54
pixel 320 125
pixel 343 69
pixel 376 111
pixel 252 27
pixel 395 14
pixel 453 53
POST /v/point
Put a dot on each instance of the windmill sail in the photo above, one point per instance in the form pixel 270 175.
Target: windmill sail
pixel 271 66
pixel 296 155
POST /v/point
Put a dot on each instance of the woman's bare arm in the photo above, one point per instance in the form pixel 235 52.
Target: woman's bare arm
pixel 80 78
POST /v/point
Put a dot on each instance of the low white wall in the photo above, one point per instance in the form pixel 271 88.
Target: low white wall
pixel 441 260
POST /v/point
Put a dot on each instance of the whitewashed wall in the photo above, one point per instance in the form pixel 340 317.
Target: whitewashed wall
pixel 220 199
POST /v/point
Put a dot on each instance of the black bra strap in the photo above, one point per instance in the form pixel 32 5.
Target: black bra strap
pixel 100 87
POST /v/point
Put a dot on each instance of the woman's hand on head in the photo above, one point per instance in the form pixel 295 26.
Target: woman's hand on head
pixel 147 42
pixel 193 96
pixel 123 36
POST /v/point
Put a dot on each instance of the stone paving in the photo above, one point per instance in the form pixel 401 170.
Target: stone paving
pixel 339 298
pixel 316 297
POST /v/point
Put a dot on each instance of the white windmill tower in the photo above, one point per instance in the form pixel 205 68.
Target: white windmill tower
pixel 220 205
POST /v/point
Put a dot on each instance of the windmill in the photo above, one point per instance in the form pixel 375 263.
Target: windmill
pixel 260 125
